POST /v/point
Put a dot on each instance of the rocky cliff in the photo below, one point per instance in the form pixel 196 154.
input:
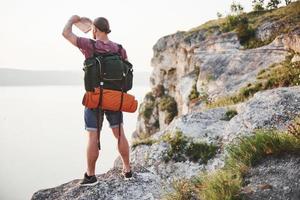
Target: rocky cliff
pixel 210 88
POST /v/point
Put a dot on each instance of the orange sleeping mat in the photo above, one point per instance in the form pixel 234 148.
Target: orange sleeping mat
pixel 111 100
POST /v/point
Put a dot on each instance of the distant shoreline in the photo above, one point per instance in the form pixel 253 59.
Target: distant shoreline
pixel 20 77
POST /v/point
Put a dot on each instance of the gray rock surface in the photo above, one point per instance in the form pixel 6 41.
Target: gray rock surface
pixel 111 186
pixel 224 67
pixel 269 28
pixel 275 178
pixel 268 109
pixel 152 157
pixel 206 126
pixel 146 126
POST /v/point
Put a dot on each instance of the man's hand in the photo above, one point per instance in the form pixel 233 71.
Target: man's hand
pixel 67 32
pixel 74 19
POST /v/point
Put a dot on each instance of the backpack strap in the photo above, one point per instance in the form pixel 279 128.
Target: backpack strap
pixel 99 110
pixel 122 95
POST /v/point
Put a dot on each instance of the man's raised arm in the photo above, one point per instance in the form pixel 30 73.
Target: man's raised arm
pixel 67 32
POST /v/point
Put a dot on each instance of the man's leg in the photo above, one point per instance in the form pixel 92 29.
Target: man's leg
pixel 92 152
pixel 123 147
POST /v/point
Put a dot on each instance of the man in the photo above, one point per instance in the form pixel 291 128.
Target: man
pixel 100 31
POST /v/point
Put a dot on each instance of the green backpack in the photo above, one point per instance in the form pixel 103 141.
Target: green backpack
pixel 109 70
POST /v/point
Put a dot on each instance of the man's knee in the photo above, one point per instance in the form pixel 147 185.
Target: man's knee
pixel 117 133
pixel 92 135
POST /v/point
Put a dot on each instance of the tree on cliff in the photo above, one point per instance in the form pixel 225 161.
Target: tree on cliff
pixel 273 4
pixel 258 5
pixel 236 8
pixel 287 2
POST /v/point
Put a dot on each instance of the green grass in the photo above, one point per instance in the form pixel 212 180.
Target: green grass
pixel 147 107
pixel 246 24
pixel 200 151
pixel 184 148
pixel 183 190
pixel 147 110
pixel 294 128
pixel 282 74
pixel 222 184
pixel 265 142
pixel 178 144
pixel 194 93
pixel 227 182
pixel 229 115
pixel 169 105
pixel 166 103
pixel 146 141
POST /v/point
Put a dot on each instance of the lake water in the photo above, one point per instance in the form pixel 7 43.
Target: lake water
pixel 43 141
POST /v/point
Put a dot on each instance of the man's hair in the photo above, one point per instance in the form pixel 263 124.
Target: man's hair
pixel 102 24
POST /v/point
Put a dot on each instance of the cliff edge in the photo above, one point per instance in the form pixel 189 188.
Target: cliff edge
pixel 223 112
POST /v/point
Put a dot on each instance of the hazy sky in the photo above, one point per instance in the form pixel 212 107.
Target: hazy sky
pixel 31 29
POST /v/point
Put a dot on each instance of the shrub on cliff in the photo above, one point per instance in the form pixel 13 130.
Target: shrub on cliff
pixel 294 128
pixel 284 74
pixel 147 107
pixel 258 5
pixel 229 114
pixel 169 105
pixel 184 148
pixel 227 182
pixel 194 93
pixel 286 17
pixel 144 141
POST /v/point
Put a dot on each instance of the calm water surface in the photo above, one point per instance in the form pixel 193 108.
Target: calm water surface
pixel 42 138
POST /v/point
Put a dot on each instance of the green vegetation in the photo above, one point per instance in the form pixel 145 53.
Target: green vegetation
pixel 273 4
pixel 294 128
pixel 241 96
pixel 258 5
pixel 168 104
pixel 147 107
pixel 252 149
pixel 164 102
pixel 183 148
pixel 150 96
pixel 227 182
pixel 183 190
pixel 229 115
pixel 245 24
pixel 178 144
pixel 147 110
pixel 194 93
pixel 279 75
pixel 222 184
pixel 145 141
pixel 142 139
pixel 200 151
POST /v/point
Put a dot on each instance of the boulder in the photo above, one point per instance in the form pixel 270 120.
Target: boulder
pixel 111 186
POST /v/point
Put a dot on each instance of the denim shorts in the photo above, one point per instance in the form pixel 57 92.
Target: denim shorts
pixel 90 118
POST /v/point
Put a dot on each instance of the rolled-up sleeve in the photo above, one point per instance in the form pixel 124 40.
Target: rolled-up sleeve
pixel 84 45
pixel 124 54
